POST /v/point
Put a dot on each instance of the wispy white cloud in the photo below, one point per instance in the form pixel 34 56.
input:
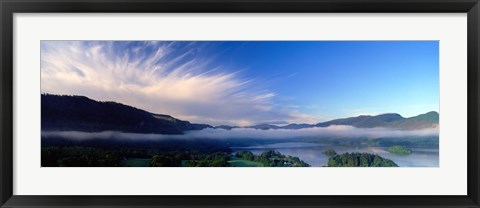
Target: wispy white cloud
pixel 159 77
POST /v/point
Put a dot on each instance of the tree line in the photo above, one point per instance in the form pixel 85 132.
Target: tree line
pixel 272 158
pixel 359 160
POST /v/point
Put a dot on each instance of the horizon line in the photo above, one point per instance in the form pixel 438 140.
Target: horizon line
pixel 256 124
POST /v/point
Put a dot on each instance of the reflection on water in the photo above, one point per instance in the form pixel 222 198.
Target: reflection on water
pixel 312 153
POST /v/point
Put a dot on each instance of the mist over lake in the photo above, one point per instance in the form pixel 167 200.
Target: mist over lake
pixel 339 131
pixel 263 103
pixel 312 153
pixel 307 144
pixel 78 131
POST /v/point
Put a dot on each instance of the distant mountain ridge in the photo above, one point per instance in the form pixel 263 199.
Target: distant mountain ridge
pixel 388 120
pixel 427 120
pixel 80 113
pixel 364 121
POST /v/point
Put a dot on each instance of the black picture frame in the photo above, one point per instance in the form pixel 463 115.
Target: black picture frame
pixel 9 7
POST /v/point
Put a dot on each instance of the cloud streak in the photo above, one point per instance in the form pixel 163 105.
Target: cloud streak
pixel 161 77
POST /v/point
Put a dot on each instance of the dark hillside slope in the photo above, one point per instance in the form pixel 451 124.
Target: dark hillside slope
pixel 79 113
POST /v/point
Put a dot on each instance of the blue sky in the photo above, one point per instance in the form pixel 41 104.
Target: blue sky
pixel 249 82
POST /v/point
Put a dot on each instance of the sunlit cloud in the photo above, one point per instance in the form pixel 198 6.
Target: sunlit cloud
pixel 161 77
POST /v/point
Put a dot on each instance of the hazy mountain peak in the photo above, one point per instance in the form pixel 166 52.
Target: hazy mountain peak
pixel 263 126
pixel 431 113
pixel 388 120
pixel 389 117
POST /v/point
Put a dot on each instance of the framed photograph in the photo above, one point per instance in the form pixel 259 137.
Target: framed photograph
pixel 267 103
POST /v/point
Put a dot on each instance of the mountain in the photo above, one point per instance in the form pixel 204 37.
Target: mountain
pixel 421 121
pixel 226 127
pixel 263 126
pixel 365 121
pixel 297 126
pixel 388 120
pixel 80 113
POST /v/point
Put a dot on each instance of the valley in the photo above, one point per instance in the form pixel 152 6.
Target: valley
pixel 81 132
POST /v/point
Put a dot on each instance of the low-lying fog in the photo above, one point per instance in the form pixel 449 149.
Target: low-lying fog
pixel 250 133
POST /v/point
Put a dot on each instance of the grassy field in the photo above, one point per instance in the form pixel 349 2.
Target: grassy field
pixel 239 162
pixel 136 162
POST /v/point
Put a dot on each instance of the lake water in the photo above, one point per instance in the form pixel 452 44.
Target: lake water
pixel 312 153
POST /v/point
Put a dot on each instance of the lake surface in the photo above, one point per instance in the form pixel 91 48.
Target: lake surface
pixel 312 153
